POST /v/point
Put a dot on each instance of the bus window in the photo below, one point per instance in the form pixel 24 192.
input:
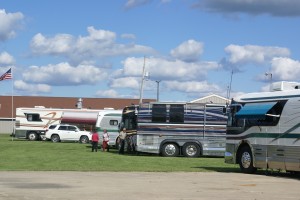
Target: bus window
pixel 177 113
pixel 159 113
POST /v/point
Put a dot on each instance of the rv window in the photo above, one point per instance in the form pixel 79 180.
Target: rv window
pixel 113 122
pixel 33 117
pixel 177 113
pixel 159 113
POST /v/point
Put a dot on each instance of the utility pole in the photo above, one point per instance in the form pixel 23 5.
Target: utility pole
pixel 157 98
pixel 142 83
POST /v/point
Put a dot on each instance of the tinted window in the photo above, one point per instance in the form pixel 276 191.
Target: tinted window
pixel 177 113
pixel 159 113
pixel 113 122
pixel 63 128
pixel 72 128
pixel 52 126
pixel 33 117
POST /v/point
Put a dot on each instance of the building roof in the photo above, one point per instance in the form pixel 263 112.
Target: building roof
pixel 8 104
pixel 213 98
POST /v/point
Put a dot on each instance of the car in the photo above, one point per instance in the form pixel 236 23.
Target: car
pixel 66 132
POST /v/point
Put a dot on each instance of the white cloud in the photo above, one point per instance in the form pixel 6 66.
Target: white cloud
pixel 6 59
pixel 285 69
pixel 32 88
pixel 188 51
pixel 9 23
pixel 192 86
pixel 107 93
pixel 99 43
pixel 135 3
pixel 254 54
pixel 64 74
pixel 125 82
pixel 162 69
pixel 128 36
pixel 61 43
pixel 253 7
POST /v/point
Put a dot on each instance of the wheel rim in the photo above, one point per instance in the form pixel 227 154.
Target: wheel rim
pixel 170 149
pixel 191 150
pixel 55 139
pixel 246 160
pixel 84 140
pixel 31 136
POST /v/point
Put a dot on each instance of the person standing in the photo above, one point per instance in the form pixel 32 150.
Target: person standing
pixel 122 137
pixel 105 142
pixel 95 140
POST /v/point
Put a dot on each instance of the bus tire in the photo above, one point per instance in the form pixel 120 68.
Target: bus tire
pixel 245 160
pixel 32 136
pixel 191 149
pixel 55 138
pixel 170 150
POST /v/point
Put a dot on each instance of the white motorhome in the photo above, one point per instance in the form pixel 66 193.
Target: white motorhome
pixel 263 129
pixel 31 123
pixel 109 119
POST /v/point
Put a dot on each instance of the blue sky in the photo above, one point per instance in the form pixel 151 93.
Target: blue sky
pixel 97 48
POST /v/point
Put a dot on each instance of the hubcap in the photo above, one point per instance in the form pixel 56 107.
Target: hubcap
pixel 191 150
pixel 246 160
pixel 170 149
pixel 31 136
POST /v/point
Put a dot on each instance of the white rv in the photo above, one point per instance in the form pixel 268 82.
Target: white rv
pixel 31 123
pixel 109 119
pixel 263 129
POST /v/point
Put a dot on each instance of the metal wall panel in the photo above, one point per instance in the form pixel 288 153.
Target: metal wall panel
pixel 6 126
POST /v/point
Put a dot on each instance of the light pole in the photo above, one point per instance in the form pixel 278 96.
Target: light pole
pixel 269 74
pixel 157 98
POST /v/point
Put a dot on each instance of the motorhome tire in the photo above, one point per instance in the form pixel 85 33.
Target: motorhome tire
pixel 246 161
pixel 55 138
pixel 84 139
pixel 191 149
pixel 32 136
pixel 170 150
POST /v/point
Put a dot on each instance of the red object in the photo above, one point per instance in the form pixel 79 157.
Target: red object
pixel 104 145
pixel 6 75
pixel 95 137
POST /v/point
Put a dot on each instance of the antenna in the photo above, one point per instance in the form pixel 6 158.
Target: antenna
pixel 229 87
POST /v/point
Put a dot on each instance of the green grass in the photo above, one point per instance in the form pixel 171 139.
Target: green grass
pixel 23 155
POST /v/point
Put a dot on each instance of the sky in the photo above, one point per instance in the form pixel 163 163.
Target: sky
pixel 187 48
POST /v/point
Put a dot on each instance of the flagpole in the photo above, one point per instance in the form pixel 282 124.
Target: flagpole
pixel 12 105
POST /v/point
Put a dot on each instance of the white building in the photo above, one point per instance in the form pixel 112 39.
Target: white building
pixel 215 99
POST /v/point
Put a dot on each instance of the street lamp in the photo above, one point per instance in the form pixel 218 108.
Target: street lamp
pixel 157 98
pixel 269 74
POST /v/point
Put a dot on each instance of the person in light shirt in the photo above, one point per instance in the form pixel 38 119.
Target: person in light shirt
pixel 122 136
pixel 105 142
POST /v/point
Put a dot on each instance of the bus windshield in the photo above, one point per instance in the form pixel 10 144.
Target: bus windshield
pixel 129 118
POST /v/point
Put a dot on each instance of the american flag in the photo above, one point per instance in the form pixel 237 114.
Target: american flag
pixel 6 75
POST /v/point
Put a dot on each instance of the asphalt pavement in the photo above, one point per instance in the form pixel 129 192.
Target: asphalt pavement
pixel 145 186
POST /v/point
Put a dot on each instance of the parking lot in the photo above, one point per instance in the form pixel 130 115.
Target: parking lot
pixel 139 185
